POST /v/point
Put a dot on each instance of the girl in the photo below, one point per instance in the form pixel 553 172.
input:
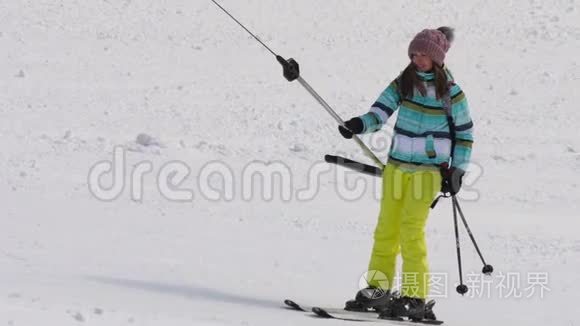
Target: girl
pixel 433 127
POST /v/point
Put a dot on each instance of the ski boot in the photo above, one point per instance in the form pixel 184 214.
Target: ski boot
pixel 414 309
pixel 370 299
pixel 429 314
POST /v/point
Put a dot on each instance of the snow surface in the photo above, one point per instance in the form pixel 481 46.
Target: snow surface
pixel 178 81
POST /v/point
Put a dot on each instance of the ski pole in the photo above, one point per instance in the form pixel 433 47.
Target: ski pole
pixel 461 288
pixel 291 72
pixel 487 269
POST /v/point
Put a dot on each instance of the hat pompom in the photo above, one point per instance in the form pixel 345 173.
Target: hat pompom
pixel 449 32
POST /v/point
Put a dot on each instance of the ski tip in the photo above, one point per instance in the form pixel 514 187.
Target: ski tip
pixel 292 304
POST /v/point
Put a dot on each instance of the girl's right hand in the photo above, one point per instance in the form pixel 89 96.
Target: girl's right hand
pixel 353 126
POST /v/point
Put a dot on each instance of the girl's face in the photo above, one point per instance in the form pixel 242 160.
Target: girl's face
pixel 422 62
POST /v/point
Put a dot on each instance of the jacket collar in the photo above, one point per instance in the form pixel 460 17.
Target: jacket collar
pixel 425 76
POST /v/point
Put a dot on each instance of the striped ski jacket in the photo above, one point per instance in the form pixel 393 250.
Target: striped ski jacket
pixel 422 138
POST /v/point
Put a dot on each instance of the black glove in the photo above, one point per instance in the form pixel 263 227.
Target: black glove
pixel 353 126
pixel 451 181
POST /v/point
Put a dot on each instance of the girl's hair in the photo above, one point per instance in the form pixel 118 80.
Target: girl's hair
pixel 409 81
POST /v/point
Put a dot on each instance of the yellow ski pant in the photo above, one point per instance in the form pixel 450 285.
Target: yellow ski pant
pixel 407 196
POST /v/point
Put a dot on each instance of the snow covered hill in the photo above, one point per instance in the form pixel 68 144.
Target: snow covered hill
pixel 181 92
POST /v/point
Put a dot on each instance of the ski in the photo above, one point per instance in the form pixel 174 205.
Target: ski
pixel 292 305
pixel 367 317
pixel 347 315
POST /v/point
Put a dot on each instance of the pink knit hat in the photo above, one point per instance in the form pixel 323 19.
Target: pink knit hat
pixel 433 42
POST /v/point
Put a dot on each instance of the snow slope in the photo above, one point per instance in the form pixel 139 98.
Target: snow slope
pixel 82 78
